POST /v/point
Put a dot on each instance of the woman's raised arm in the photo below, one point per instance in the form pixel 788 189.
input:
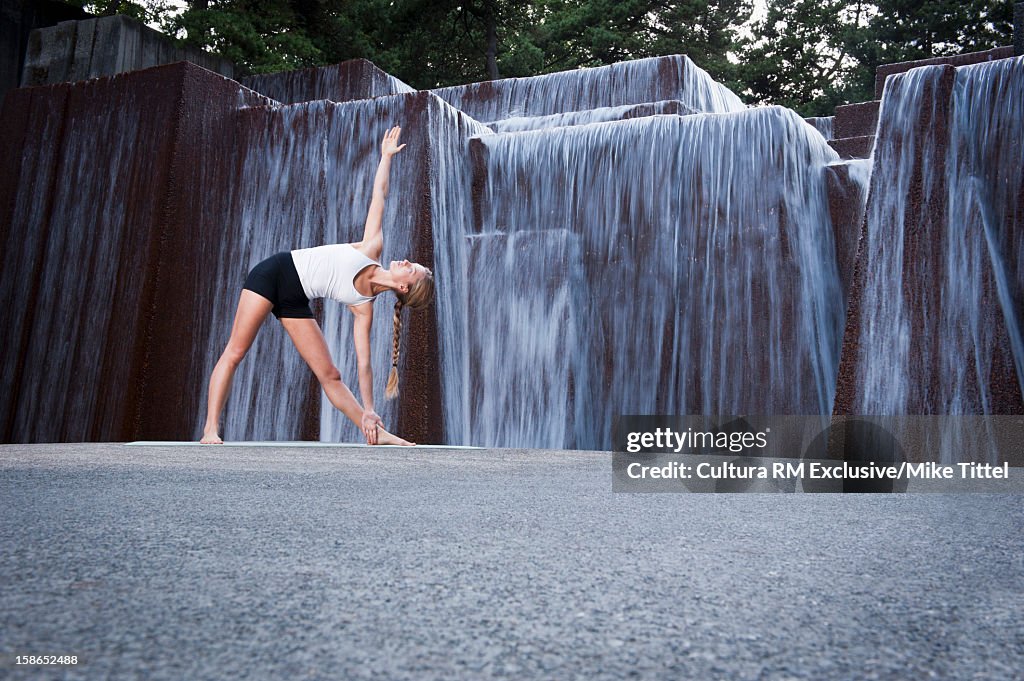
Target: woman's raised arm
pixel 373 238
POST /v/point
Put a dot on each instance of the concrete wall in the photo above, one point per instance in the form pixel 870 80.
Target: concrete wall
pixel 104 46
pixel 104 262
pixel 18 18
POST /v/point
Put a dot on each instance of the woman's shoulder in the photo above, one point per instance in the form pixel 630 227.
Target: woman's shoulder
pixel 357 246
pixel 363 249
pixel 333 250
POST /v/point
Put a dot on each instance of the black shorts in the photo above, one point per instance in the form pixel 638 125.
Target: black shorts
pixel 277 280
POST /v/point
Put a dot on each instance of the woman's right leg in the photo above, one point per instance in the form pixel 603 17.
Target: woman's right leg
pixel 309 341
pixel 252 310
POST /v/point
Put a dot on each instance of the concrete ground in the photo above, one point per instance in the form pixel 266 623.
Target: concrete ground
pixel 178 562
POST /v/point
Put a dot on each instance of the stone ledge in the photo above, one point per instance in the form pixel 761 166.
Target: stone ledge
pixel 886 70
pixel 853 147
pixel 856 120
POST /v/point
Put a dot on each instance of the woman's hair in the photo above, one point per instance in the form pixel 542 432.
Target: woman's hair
pixel 419 295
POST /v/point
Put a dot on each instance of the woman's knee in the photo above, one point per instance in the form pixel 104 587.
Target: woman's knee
pixel 234 354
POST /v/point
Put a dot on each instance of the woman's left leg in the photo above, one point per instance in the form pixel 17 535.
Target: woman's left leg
pixel 252 310
pixel 309 341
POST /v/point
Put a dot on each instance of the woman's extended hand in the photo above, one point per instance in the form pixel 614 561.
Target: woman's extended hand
pixel 369 425
pixel 390 146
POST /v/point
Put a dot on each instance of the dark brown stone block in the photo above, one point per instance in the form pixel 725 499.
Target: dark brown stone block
pixel 103 254
pixel 846 196
pixel 886 70
pixel 855 120
pixel 84 239
pixel 353 79
pixel 27 177
pixel 188 243
pixel 916 131
pixel 853 147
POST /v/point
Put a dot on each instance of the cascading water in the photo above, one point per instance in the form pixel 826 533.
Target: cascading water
pixel 634 82
pixel 986 160
pixel 355 79
pixel 708 283
pixel 451 208
pixel 823 124
pixel 283 159
pixel 903 145
pixel 940 300
pixel 87 224
pixel 599 261
pixel 525 317
pixel 599 115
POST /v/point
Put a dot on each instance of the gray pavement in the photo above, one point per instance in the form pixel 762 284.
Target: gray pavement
pixel 349 563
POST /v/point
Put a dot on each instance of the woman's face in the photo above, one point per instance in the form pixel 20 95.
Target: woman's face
pixel 406 273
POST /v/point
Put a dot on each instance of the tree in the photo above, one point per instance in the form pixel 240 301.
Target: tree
pixel 809 55
pixel 905 30
pixel 431 43
pixel 798 57
pixel 260 36
pixel 574 33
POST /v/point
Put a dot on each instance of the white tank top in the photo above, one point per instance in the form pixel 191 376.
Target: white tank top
pixel 330 272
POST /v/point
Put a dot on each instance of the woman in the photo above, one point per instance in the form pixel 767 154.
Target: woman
pixel 285 283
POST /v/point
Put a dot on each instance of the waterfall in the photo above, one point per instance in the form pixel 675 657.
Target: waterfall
pixel 598 115
pixel 823 124
pixel 620 240
pixel 940 313
pixel 912 113
pixel 89 229
pixel 351 80
pixel 986 159
pixel 277 203
pixel 633 82
pixel 451 207
pixel 704 274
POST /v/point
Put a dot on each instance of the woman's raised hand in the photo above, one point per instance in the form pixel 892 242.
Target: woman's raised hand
pixel 390 146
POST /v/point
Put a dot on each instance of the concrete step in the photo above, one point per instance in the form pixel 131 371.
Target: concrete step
pixel 886 70
pixel 853 147
pixel 855 120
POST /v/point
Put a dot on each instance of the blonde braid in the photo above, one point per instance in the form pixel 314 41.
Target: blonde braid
pixel 391 391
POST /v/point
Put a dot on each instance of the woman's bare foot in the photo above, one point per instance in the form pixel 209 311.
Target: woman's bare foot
pixel 211 439
pixel 386 438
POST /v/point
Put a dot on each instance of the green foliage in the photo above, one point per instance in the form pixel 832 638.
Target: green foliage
pixel 149 12
pixel 904 30
pixel 809 55
pixel 260 36
pixel 797 57
pixel 813 55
